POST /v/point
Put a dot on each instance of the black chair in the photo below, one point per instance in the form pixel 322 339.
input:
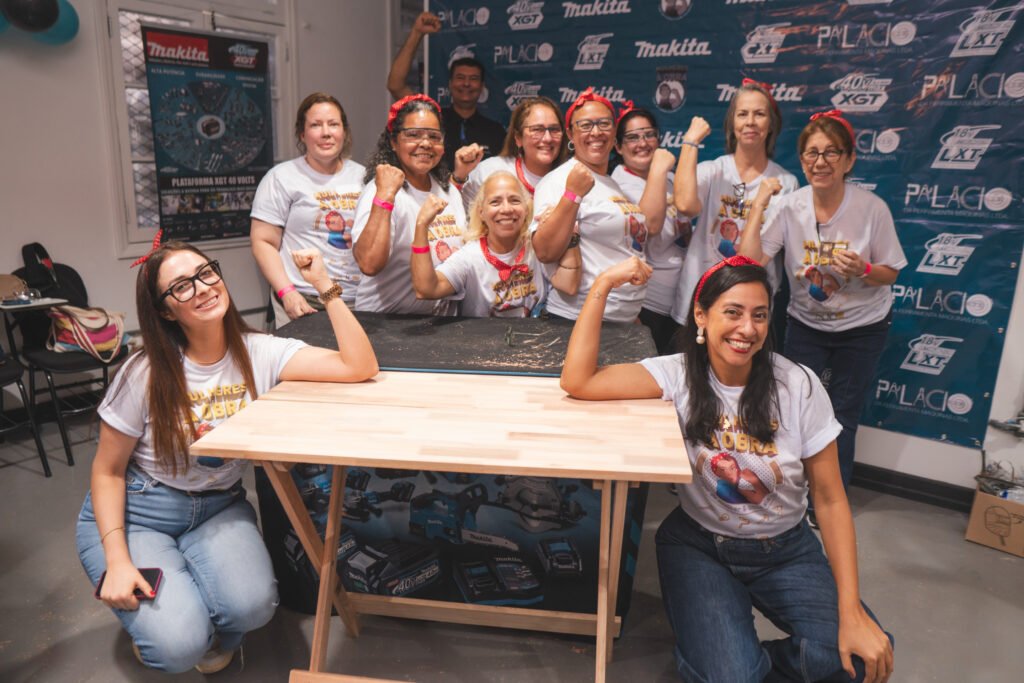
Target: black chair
pixel 11 372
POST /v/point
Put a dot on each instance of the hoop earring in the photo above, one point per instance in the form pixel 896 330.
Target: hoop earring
pixel 700 335
pixel 572 147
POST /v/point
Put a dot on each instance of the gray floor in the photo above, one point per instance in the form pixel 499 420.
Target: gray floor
pixel 956 609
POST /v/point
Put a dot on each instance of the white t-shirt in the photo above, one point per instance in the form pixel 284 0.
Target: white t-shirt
pixel 316 211
pixel 611 230
pixel 390 290
pixel 744 488
pixel 484 169
pixel 666 250
pixel 819 296
pixel 718 228
pixel 483 293
pixel 216 391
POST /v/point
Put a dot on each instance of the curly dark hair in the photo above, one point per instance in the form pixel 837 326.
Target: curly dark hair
pixel 384 154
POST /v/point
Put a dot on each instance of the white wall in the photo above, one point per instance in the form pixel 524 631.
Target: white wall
pixel 57 184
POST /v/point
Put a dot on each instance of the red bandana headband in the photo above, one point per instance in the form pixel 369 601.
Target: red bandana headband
pixel 586 96
pixel 627 107
pixel 764 86
pixel 397 107
pixel 156 245
pixel 838 116
pixel 731 261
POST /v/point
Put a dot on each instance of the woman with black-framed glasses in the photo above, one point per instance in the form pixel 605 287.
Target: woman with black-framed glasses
pixel 580 203
pixel 842 255
pixel 402 174
pixel 153 505
pixel 717 193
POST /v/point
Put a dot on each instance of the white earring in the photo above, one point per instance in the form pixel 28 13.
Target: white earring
pixel 700 335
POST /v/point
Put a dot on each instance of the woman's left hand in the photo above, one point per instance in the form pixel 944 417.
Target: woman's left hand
pixel 310 263
pixel 848 263
pixel 466 159
pixel 860 635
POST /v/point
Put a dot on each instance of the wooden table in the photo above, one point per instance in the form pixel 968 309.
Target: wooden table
pixel 483 424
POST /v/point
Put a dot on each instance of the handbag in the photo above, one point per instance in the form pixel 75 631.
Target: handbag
pixel 95 331
pixel 12 287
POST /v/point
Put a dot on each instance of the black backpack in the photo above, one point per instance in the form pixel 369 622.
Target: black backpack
pixel 54 280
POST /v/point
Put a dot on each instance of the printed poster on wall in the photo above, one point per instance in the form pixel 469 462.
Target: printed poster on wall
pixel 209 98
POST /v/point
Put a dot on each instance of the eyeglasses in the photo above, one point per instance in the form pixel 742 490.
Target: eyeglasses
pixel 587 125
pixel 435 136
pixel 184 289
pixel 636 136
pixel 537 132
pixel 831 155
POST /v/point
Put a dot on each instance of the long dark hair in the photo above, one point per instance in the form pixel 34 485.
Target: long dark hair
pixel 759 401
pixel 384 154
pixel 164 342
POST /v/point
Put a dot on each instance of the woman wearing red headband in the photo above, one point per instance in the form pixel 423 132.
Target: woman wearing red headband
pixel 405 171
pixel 580 192
pixel 644 163
pixel 834 233
pixel 720 191
pixel 747 544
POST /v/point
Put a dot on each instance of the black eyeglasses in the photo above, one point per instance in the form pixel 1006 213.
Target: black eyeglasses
pixel 184 289
pixel 587 125
pixel 831 155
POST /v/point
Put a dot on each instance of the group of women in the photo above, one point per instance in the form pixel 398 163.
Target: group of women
pixel 544 224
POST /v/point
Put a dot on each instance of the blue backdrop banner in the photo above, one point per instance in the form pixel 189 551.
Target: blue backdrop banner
pixel 933 88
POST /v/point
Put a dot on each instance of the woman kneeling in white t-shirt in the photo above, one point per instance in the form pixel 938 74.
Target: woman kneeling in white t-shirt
pixel 759 430
pixel 153 505
pixel 496 273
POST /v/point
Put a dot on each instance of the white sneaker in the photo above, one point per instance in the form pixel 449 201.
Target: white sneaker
pixel 215 659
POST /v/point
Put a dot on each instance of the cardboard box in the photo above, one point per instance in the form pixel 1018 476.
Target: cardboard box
pixel 997 523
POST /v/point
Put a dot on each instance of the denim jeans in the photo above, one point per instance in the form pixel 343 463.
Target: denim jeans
pixel 852 357
pixel 709 584
pixel 217 576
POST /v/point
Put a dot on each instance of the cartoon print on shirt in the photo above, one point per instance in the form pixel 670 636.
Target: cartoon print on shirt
pixel 684 230
pixel 727 228
pixel 337 216
pixel 739 475
pixel 513 296
pixel 209 408
pixel 824 285
pixel 443 251
pixel 635 228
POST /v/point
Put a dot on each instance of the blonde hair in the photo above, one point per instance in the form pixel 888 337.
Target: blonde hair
pixel 477 228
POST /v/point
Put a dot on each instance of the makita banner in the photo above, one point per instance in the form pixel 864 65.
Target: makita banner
pixel 209 100
pixel 934 89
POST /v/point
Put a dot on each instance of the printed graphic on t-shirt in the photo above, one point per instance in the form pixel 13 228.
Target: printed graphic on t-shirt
pixel 684 231
pixel 443 228
pixel 727 228
pixel 824 284
pixel 636 230
pixel 739 475
pixel 336 216
pixel 514 297
pixel 210 407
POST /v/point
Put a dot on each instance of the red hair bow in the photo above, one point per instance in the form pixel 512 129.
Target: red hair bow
pixel 587 95
pixel 838 116
pixel 397 107
pixel 156 245
pixel 627 107
pixel 731 261
pixel 747 82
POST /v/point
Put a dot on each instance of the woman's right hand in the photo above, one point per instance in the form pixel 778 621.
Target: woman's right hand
pixel 120 584
pixel 580 180
pixel 466 159
pixel 698 130
pixel 632 271
pixel 389 181
pixel 430 210
pixel 296 306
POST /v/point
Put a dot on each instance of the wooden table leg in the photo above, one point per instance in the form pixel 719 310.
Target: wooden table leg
pixel 603 564
pixel 294 508
pixel 618 527
pixel 328 572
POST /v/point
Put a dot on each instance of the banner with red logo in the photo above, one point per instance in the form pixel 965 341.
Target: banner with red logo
pixel 209 97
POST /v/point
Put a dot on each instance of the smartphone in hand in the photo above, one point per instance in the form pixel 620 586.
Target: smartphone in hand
pixel 152 575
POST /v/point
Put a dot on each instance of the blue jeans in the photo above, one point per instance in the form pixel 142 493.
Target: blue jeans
pixel 217 579
pixel 709 584
pixel 852 356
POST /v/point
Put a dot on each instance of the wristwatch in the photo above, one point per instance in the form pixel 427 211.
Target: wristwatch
pixel 333 292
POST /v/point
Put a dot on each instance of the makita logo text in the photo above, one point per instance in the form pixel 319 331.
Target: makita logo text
pixel 962 147
pixel 860 92
pixel 984 33
pixel 568 95
pixel 182 48
pixel 688 47
pixel 525 15
pixel 865 36
pixel 595 8
pixel 946 254
pixel 782 92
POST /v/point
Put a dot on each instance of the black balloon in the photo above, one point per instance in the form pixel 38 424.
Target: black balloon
pixel 31 15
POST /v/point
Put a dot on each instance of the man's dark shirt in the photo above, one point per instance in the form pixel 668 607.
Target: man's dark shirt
pixel 459 132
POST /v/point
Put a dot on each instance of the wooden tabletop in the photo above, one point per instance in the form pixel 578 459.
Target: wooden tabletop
pixel 490 424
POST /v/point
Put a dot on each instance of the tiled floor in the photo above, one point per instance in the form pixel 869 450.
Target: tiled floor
pixel 955 608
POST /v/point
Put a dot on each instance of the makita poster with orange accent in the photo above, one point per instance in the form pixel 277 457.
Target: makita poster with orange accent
pixel 209 98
